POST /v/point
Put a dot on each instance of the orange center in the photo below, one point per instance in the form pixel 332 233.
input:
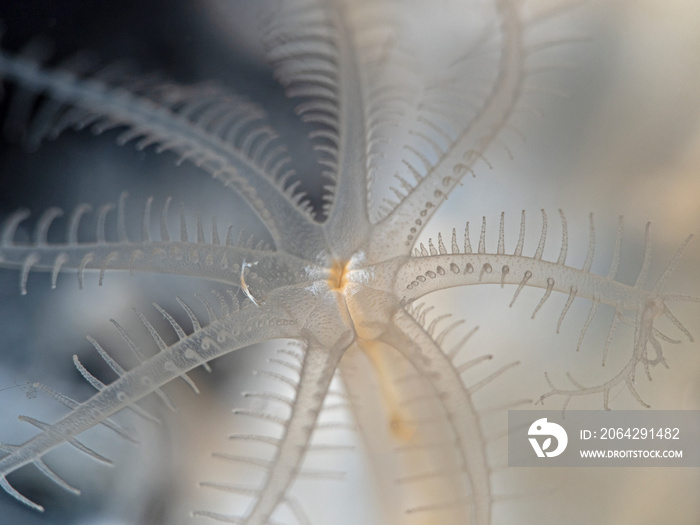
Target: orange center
pixel 338 278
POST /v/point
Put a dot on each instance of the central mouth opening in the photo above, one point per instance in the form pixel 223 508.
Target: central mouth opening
pixel 338 278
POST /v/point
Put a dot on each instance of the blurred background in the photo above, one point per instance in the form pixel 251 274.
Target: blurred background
pixel 609 125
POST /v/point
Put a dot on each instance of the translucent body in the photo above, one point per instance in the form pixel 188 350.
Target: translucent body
pixel 339 279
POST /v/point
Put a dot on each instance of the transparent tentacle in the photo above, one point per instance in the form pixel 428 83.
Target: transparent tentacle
pixel 396 232
pixel 211 261
pixel 317 369
pixel 227 334
pixel 239 154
